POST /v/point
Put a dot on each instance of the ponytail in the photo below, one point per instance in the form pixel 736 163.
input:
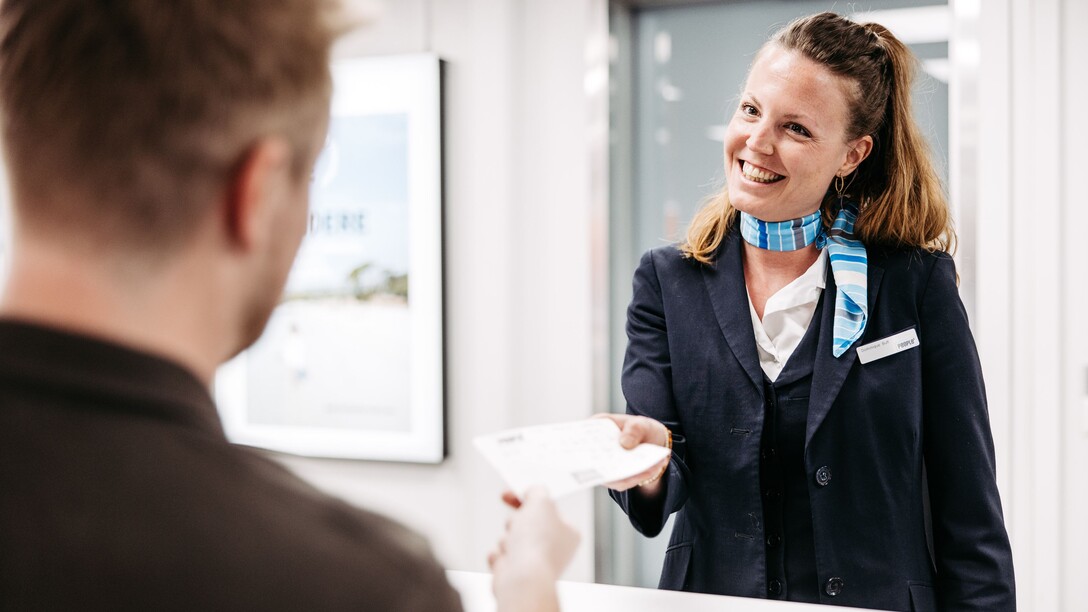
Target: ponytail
pixel 903 201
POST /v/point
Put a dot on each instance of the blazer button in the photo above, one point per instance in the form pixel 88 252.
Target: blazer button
pixel 823 476
pixel 773 540
pixel 833 586
pixel 774 587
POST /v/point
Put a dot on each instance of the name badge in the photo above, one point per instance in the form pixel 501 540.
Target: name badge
pixel 891 345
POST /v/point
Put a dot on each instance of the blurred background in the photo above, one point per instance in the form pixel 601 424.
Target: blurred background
pixel 579 133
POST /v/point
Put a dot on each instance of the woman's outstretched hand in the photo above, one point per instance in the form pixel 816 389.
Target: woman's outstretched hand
pixel 635 430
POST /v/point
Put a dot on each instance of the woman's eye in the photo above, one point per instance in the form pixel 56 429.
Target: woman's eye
pixel 748 109
pixel 797 129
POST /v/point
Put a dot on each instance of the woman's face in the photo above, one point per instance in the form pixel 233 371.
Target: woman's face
pixel 787 140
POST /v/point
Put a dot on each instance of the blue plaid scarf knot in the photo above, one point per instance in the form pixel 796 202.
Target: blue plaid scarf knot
pixel 849 263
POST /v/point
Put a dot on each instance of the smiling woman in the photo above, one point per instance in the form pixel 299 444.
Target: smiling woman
pixel 788 138
pixel 806 353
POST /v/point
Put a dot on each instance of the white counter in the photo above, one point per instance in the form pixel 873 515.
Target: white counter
pixel 475 589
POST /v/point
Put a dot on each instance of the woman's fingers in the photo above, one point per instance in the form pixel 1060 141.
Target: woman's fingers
pixel 511 500
pixel 640 478
pixel 635 429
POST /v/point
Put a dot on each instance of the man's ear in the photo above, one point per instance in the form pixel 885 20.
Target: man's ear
pixel 257 188
pixel 860 149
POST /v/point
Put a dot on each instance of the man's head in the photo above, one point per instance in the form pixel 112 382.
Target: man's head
pixel 133 130
pixel 123 119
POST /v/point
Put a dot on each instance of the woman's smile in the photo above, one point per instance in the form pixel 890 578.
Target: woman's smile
pixel 758 174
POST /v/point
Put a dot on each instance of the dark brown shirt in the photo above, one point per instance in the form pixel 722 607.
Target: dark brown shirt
pixel 119 490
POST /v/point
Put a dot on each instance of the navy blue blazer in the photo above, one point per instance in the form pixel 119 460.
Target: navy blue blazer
pixel 891 445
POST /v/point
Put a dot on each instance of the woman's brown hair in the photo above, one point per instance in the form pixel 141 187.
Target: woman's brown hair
pixel 902 201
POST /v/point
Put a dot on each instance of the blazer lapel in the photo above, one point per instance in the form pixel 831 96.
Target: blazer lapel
pixel 729 297
pixel 829 373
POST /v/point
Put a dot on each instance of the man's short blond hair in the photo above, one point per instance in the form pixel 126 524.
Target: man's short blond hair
pixel 123 119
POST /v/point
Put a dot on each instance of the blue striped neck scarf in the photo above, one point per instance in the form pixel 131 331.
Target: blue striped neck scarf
pixel 849 263
pixel 791 235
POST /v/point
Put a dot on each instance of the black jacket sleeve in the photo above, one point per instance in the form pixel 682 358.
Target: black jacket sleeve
pixel 647 386
pixel 971 547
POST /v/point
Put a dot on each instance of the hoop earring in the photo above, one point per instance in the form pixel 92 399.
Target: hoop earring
pixel 840 185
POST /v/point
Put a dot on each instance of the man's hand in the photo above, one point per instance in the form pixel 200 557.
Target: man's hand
pixel 531 555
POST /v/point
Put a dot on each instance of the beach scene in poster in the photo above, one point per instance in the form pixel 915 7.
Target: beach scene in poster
pixel 336 350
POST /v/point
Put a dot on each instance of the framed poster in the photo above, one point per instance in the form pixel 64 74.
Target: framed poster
pixel 351 363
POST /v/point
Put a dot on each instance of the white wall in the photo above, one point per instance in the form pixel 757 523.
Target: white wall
pixel 1031 283
pixel 517 251
pixel 1073 529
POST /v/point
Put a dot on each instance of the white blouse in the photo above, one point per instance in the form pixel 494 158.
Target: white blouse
pixel 786 317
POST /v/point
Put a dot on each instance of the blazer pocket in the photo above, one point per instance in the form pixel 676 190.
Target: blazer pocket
pixel 923 597
pixel 675 573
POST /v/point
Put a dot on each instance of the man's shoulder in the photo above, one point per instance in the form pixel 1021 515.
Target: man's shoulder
pixel 177 514
pixel 325 543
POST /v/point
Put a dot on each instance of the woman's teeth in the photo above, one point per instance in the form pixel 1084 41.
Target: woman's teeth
pixel 759 175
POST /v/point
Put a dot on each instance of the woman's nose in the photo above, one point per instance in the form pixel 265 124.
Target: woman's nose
pixel 760 139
